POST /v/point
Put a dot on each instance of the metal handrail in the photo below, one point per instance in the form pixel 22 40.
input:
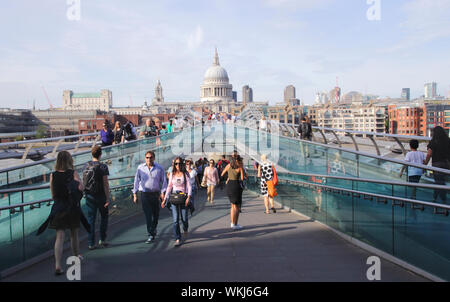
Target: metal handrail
pixel 50 139
pixel 397 161
pixel 393 182
pixel 22 205
pixel 387 197
pixel 423 138
pixel 45 186
pixel 78 153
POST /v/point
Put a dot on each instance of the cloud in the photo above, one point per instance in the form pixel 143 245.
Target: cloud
pixel 195 39
pixel 426 21
pixel 298 4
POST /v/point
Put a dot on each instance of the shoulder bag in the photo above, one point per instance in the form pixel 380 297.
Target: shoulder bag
pixel 179 198
pixel 271 188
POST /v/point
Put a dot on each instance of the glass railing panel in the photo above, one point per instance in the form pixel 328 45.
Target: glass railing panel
pixel 339 209
pixel 420 238
pixel 11 238
pixel 373 222
pixel 18 241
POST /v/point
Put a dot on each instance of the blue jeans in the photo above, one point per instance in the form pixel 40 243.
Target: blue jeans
pixel 93 204
pixel 415 179
pixel 151 206
pixel 193 193
pixel 179 211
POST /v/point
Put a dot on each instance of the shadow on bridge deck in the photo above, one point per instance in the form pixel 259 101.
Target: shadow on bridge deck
pixel 276 247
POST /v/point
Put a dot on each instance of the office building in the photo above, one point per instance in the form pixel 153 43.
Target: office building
pixel 406 94
pixel 430 90
pixel 247 95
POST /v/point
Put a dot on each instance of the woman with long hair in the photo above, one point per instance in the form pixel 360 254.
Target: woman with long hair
pixel 118 133
pixel 212 179
pixel 60 218
pixel 193 179
pixel 234 190
pixel 179 183
pixel 439 151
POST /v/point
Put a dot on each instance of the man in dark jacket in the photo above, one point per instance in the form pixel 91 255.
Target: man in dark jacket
pixel 96 186
pixel 305 130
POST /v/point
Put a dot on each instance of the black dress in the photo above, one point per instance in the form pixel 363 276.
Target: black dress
pixel 62 220
pixel 234 189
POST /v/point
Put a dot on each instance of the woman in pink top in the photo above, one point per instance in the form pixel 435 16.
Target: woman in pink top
pixel 212 179
pixel 179 182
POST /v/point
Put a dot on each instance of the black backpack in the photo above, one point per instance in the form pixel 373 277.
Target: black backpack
pixel 91 181
pixel 129 135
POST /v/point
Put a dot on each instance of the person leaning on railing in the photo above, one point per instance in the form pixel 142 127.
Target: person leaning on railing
pixel 439 151
pixel 118 133
pixel 106 135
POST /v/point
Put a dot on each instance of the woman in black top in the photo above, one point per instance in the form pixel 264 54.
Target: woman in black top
pixel 60 220
pixel 439 151
pixel 118 133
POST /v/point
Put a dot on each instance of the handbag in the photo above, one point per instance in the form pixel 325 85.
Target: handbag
pixel 204 183
pixel 275 177
pixel 178 198
pixel 271 189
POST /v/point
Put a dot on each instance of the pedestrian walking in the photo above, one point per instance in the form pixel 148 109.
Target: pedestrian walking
pixel 96 189
pixel 223 162
pixel 266 173
pixel 150 184
pixel 193 179
pixel 67 190
pixel 439 152
pixel 234 190
pixel 178 194
pixel 212 180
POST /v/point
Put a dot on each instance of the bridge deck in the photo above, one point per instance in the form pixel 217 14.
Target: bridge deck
pixel 276 247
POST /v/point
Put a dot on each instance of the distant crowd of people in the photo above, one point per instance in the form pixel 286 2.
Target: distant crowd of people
pixel 127 132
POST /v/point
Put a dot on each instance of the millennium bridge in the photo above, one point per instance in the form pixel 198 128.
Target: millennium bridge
pixel 338 208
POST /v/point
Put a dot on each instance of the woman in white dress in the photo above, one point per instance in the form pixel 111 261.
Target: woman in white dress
pixel 265 171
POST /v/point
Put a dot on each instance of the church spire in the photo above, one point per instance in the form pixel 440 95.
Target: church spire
pixel 216 58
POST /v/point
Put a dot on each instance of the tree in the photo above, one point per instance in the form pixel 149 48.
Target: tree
pixel 41 131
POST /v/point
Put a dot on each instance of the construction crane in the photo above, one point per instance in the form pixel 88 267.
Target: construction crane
pixel 48 99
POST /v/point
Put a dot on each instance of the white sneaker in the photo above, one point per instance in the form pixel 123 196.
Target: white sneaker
pixel 232 225
pixel 237 227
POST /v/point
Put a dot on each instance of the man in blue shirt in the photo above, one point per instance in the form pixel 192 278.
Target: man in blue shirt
pixel 150 184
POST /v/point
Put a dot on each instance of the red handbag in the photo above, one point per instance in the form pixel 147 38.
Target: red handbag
pixel 275 177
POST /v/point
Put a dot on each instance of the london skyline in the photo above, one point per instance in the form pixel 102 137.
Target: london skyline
pixel 267 45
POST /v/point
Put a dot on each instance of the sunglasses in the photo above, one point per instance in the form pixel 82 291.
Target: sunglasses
pixel 177 163
pixel 149 157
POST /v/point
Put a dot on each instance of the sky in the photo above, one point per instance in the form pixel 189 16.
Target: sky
pixel 371 46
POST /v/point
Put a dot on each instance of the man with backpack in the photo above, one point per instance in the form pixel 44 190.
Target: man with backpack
pixel 96 189
pixel 305 129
